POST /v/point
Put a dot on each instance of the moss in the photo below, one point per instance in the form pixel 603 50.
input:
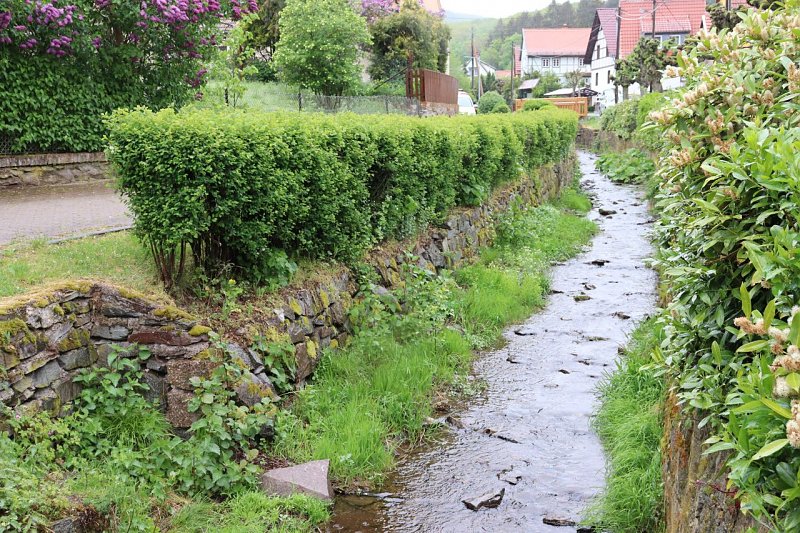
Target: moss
pixel 295 306
pixel 171 312
pixel 9 329
pixel 311 346
pixel 42 302
pixel 324 298
pixel 198 330
pixel 57 309
pixel 77 338
pixel 334 344
pixel 131 294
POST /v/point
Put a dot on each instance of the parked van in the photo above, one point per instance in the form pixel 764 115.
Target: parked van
pixel 465 104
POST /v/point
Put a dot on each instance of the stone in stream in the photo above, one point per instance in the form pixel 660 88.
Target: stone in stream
pixel 599 262
pixel 490 500
pixel 308 478
pixel 607 212
pixel 589 287
pixel 582 297
pixel 509 476
pixel 558 522
pixel 513 360
pixel 621 315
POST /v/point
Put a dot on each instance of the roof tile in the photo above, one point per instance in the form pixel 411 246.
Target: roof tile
pixel 556 41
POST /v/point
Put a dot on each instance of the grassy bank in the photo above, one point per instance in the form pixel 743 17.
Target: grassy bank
pixel 629 423
pixel 118 258
pixel 371 398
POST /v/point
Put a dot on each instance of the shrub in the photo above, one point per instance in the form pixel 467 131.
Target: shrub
pixel 488 101
pixel 632 166
pixel 536 104
pixel 729 231
pixel 501 107
pixel 621 118
pixel 63 66
pixel 232 187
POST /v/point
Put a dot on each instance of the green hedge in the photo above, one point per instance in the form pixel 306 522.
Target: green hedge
pixel 235 187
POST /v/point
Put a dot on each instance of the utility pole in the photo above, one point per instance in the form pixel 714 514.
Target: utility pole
pixel 472 61
pixel 654 19
pixel 513 70
pixel 619 53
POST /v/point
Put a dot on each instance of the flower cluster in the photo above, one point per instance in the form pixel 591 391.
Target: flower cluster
pixel 787 361
pixel 372 10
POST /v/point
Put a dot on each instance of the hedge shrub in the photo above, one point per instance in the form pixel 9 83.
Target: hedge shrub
pixel 488 101
pixel 536 104
pixel 236 188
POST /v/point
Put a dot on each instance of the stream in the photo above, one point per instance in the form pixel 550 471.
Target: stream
pixel 530 433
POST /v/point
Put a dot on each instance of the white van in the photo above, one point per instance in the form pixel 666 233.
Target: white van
pixel 465 104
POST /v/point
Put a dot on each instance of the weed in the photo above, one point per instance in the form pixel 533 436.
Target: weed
pixel 629 423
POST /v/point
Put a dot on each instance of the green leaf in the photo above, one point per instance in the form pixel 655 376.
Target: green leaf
pixel 207 398
pixel 747 306
pixel 778 408
pixel 718 447
pixel 793 380
pixel 770 448
pixel 753 346
pixel 794 331
pixel 769 314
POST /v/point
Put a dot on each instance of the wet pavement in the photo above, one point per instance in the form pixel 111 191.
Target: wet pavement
pixel 57 211
pixel 530 432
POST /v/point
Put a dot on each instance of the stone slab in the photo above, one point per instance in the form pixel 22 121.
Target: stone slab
pixel 308 478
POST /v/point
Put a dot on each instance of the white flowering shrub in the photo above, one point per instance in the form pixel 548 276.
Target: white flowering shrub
pixel 730 235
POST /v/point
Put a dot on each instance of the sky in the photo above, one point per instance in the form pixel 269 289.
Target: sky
pixel 493 8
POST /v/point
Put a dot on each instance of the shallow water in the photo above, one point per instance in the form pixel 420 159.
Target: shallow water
pixel 532 426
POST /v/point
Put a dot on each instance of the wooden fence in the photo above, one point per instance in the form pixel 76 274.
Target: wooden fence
pixel 579 104
pixel 432 87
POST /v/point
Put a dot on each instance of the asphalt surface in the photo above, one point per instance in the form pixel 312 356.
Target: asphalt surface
pixel 59 211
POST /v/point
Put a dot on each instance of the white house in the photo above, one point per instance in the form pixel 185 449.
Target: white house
pixel 483 68
pixel 601 53
pixel 555 50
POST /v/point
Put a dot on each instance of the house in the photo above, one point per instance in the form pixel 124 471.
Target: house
pixel 554 50
pixel 616 31
pixel 526 88
pixel 483 68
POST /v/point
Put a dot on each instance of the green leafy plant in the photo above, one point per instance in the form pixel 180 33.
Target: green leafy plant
pixel 279 360
pixel 632 166
pixel 275 187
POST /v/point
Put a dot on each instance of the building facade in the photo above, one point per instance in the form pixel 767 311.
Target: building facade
pixel 554 50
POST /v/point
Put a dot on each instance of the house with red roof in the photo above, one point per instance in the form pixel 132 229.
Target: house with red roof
pixel 616 31
pixel 554 50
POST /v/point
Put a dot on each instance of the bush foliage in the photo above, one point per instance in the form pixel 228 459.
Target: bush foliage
pixel 239 188
pixel 730 188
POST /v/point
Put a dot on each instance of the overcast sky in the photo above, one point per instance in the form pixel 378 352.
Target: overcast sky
pixel 493 8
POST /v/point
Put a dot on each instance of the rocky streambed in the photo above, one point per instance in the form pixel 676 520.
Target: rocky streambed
pixel 523 456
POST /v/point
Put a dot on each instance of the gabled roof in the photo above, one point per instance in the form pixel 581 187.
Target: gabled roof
pixel 518 61
pixel 605 19
pixel 501 74
pixel 672 16
pixel 556 41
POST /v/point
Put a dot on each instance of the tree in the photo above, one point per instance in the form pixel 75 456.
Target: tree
pixel 574 79
pixel 490 82
pixel 320 45
pixel 547 82
pixel 411 31
pixel 649 59
pixel 265 30
pixel 625 75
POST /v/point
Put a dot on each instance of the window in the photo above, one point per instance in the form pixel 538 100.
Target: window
pixel 580 61
pixel 598 51
pixel 597 78
pixel 609 76
pixel 545 62
pixel 556 62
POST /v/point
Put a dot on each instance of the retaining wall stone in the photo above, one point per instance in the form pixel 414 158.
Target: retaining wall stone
pixel 52 169
pixel 46 340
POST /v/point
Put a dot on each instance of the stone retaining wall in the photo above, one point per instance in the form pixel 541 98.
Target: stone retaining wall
pixel 46 340
pixel 601 141
pixel 52 169
pixel 696 497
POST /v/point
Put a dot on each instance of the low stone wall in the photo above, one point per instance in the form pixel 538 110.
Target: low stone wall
pixel 52 169
pixel 46 340
pixel 601 140
pixel 696 497
pixel 431 109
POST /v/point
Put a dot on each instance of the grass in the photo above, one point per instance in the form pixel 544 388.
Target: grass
pixel 629 423
pixel 118 258
pixel 593 123
pixel 374 396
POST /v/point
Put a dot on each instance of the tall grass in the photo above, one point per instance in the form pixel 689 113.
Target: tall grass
pixel 118 258
pixel 370 398
pixel 629 423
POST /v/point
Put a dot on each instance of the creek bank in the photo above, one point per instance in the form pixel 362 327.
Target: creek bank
pixel 534 419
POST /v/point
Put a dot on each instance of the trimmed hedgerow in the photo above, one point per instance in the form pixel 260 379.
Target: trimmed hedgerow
pixel 245 188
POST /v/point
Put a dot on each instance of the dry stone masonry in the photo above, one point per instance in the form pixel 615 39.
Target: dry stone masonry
pixel 45 340
pixel 52 169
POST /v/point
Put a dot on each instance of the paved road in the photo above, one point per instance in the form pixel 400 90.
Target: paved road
pixel 59 211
